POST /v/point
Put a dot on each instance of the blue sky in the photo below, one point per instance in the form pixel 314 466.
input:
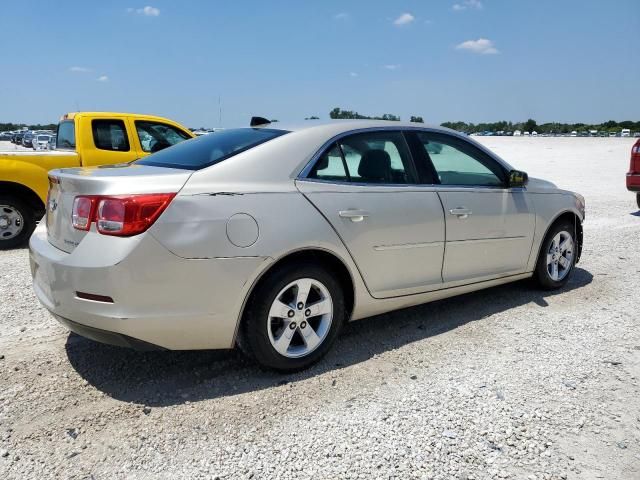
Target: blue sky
pixel 471 60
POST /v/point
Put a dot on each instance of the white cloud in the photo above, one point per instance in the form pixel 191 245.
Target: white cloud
pixel 147 11
pixel 404 19
pixel 341 16
pixel 103 78
pixel 392 67
pixel 353 74
pixel 468 4
pixel 482 46
pixel 79 69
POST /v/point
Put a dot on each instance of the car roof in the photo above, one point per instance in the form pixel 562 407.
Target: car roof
pixel 341 126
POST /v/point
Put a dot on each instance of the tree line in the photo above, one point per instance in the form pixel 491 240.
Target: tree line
pixel 338 113
pixel 7 127
pixel 550 127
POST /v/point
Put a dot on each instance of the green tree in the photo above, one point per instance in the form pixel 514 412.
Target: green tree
pixel 530 125
pixel 416 119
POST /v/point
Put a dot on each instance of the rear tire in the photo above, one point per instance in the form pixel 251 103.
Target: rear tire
pixel 557 256
pixel 287 330
pixel 17 222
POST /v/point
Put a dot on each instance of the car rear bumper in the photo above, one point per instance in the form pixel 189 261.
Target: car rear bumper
pixel 633 182
pixel 148 295
pixel 105 336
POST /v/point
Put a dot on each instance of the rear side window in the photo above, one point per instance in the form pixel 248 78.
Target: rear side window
pixel 66 139
pixel 110 135
pixel 155 136
pixel 379 157
pixel 207 150
pixel 330 166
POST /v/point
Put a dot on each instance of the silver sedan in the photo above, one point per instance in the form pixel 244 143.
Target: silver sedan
pixel 272 237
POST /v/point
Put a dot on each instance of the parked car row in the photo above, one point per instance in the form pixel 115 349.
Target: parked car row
pixel 625 132
pixel 36 139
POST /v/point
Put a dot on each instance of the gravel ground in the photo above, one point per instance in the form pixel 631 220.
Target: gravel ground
pixel 6 146
pixel 510 382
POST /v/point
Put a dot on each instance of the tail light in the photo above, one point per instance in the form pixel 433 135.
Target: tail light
pixel 635 158
pixel 119 215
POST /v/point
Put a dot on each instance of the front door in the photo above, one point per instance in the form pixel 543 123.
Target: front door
pixel 489 226
pixel 364 185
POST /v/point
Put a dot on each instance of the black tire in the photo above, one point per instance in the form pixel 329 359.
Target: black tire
pixel 253 338
pixel 638 199
pixel 541 275
pixel 8 241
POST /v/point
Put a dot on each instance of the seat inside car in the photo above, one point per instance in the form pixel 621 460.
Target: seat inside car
pixel 375 167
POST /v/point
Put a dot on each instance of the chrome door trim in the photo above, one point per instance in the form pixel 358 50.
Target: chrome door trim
pixel 381 248
pixel 486 240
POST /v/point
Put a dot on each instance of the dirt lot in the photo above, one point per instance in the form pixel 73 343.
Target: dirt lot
pixel 506 383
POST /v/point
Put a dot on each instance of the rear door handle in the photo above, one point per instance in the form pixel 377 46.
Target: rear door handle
pixel 461 212
pixel 354 215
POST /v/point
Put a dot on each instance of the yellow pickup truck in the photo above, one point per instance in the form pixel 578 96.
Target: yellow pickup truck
pixel 83 139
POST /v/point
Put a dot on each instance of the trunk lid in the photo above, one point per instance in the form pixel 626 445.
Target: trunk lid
pixel 66 184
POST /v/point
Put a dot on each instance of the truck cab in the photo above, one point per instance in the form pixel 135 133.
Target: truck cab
pixel 84 139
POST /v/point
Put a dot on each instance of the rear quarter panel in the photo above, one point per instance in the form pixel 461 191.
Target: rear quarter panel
pixel 198 226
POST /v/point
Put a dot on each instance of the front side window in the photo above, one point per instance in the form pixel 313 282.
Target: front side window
pixel 66 137
pixel 457 162
pixel 208 150
pixel 380 157
pixel 110 135
pixel 155 136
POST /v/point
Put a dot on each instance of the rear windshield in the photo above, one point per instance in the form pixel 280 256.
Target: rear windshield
pixel 207 150
pixel 66 135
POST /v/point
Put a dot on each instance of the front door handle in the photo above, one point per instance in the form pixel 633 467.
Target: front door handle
pixel 461 212
pixel 354 215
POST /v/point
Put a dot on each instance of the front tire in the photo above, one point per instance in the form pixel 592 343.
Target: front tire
pixel 17 222
pixel 557 256
pixel 293 317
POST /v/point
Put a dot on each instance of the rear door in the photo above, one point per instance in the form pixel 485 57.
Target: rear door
pixel 365 186
pixel 489 226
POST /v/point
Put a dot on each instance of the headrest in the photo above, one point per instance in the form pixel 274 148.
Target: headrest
pixel 375 165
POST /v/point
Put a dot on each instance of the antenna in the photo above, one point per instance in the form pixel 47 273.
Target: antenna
pixel 220 111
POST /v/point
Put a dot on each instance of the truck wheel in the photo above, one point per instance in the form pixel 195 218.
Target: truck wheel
pixel 17 222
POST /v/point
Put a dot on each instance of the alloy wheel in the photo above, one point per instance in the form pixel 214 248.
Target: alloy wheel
pixel 300 318
pixel 560 256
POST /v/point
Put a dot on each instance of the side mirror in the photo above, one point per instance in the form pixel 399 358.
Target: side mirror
pixel 517 179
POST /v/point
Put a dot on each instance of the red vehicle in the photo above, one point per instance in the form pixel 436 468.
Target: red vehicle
pixel 633 176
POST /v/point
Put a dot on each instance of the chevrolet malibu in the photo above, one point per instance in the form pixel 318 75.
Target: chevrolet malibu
pixel 272 237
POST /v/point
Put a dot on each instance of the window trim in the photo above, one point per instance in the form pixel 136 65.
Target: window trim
pixel 412 170
pixel 112 121
pixel 303 175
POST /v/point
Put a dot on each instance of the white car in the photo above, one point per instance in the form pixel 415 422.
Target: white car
pixel 273 237
pixel 40 142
